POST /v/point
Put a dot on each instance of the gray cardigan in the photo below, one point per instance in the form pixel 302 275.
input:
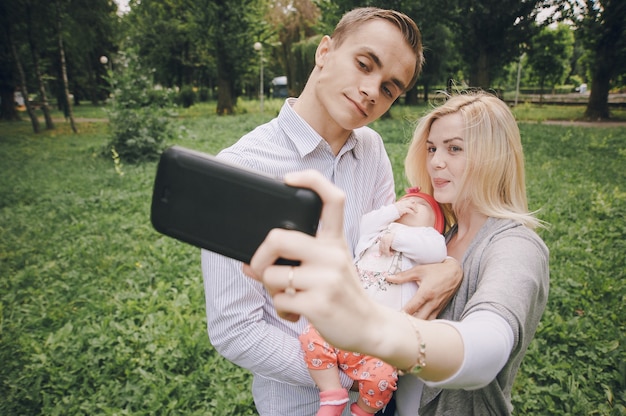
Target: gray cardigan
pixel 506 271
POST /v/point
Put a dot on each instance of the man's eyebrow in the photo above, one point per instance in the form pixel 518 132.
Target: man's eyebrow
pixel 378 63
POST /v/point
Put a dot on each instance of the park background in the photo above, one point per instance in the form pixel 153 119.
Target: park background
pixel 99 314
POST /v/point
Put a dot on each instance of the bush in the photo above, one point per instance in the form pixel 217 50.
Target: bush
pixel 140 134
pixel 187 96
pixel 204 94
pixel 138 115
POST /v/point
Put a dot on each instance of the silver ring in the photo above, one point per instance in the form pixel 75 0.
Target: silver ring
pixel 290 289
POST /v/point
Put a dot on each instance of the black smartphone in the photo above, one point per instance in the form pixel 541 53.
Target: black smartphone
pixel 219 206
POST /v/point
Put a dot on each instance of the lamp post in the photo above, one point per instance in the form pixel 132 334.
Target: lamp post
pixel 519 73
pixel 104 60
pixel 258 46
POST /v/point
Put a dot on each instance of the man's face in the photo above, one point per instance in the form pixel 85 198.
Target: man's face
pixel 362 77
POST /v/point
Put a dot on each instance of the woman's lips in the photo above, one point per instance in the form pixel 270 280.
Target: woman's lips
pixel 438 182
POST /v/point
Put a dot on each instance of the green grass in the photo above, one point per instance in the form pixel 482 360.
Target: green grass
pixel 99 314
pixel 535 112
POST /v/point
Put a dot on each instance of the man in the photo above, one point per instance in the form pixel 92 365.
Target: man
pixel 373 56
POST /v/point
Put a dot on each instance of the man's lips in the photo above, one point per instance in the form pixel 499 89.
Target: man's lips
pixel 358 106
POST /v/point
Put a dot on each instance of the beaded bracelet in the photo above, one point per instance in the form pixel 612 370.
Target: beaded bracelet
pixel 420 362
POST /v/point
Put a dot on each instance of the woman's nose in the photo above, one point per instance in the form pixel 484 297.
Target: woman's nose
pixel 437 161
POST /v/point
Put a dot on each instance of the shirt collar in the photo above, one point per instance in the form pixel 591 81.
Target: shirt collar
pixel 305 138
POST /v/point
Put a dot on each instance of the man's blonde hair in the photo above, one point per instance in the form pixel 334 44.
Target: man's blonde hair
pixel 494 177
pixel 353 19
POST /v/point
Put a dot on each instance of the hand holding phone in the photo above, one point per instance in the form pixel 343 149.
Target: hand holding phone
pixel 221 207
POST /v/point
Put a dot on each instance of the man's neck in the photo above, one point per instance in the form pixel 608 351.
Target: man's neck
pixel 321 122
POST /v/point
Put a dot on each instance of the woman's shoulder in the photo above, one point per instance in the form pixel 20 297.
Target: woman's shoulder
pixel 509 231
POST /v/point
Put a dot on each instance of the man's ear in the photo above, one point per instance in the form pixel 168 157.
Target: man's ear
pixel 322 50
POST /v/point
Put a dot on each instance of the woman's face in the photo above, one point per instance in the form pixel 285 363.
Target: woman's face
pixel 446 157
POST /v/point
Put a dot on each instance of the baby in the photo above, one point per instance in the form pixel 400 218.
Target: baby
pixel 393 238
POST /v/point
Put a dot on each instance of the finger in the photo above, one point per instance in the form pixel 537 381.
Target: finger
pixel 293 288
pixel 277 280
pixel 286 244
pixel 289 316
pixel 420 308
pixel 332 197
pixel 249 271
pixel 410 275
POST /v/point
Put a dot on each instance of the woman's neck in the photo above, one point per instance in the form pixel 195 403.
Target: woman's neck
pixel 468 225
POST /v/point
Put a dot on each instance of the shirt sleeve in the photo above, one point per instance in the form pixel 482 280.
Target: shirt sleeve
pixel 487 343
pixel 242 328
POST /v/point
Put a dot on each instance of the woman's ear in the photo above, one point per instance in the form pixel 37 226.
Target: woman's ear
pixel 322 50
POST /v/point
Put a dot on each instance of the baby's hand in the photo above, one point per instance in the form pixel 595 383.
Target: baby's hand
pixel 406 206
pixel 384 244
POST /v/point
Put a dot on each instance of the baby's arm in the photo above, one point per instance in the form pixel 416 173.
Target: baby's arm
pixel 423 245
pixel 372 224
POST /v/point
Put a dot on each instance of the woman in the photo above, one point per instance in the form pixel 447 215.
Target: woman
pixel 468 153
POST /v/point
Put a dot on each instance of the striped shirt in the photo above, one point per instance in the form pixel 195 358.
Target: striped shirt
pixel 242 323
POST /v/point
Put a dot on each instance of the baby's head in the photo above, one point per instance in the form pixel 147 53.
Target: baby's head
pixel 429 213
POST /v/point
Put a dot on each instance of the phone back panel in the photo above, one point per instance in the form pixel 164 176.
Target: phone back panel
pixel 218 206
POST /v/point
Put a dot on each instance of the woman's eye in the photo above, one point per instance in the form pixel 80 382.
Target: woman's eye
pixel 431 149
pixel 455 149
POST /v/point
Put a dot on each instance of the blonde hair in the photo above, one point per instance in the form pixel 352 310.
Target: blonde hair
pixel 494 178
pixel 353 19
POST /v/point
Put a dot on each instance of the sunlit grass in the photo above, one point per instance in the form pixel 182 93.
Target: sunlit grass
pixel 99 314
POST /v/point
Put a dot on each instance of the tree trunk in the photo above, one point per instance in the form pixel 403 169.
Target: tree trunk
pixel 410 98
pixel 8 111
pixel 29 108
pixel 66 89
pixel 479 75
pixel 42 89
pixel 224 97
pixel 598 104
pixel 426 91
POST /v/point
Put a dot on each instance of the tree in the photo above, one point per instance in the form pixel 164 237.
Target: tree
pixel 24 88
pixel 234 23
pixel 602 30
pixel 489 34
pixel 440 55
pixel 8 76
pixel 34 50
pixel 66 91
pixel 549 53
pixel 294 24
pixel 32 26
pixel 164 33
pixel 185 40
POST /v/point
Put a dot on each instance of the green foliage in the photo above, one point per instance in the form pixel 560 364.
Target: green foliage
pixel 186 96
pixel 99 314
pixel 204 94
pixel 139 119
pixel 575 364
pixel 549 54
